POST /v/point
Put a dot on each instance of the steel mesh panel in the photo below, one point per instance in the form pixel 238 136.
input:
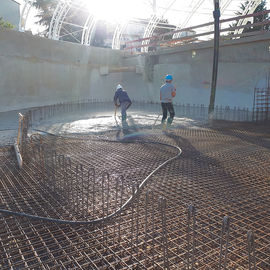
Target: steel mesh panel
pixel 222 172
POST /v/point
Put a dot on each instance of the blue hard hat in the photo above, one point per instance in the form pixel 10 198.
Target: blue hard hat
pixel 168 77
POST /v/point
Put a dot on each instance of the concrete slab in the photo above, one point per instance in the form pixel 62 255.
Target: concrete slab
pixel 145 117
pixel 100 120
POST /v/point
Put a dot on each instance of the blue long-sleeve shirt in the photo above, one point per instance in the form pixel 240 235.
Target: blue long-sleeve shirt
pixel 121 96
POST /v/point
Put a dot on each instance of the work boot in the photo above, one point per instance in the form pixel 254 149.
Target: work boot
pixel 164 126
pixel 169 122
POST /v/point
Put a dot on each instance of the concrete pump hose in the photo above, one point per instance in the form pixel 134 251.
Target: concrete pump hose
pixel 118 211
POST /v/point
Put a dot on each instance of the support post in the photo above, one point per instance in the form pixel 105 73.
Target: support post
pixel 216 15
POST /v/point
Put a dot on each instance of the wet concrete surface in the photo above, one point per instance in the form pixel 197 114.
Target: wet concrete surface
pixel 8 127
pixel 100 120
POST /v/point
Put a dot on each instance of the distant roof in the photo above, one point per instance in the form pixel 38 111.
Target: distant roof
pixel 15 2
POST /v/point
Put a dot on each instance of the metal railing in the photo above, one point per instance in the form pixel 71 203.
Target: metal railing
pixel 156 41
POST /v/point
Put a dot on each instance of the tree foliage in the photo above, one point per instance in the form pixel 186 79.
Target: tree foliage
pixel 71 31
pixel 261 18
pixel 45 13
pixel 256 19
pixel 5 24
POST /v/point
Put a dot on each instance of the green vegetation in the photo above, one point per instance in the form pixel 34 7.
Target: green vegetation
pixel 256 19
pixel 71 31
pixel 45 13
pixel 5 24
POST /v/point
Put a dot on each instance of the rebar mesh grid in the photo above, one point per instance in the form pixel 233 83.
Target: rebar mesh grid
pixel 209 209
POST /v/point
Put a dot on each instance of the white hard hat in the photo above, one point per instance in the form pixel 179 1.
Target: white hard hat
pixel 119 86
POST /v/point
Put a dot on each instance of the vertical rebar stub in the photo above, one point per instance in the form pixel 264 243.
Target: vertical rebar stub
pixel 251 250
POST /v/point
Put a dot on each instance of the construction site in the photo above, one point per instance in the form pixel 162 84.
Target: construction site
pixel 88 182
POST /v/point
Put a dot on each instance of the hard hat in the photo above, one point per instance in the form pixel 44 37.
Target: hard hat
pixel 168 77
pixel 119 86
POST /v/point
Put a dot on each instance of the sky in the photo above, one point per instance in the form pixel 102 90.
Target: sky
pixel 177 12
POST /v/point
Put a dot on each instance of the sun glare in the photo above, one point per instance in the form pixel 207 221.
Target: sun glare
pixel 115 10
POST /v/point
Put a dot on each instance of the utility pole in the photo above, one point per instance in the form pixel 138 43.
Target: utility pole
pixel 216 15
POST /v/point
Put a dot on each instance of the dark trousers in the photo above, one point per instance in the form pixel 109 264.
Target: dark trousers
pixel 165 108
pixel 124 106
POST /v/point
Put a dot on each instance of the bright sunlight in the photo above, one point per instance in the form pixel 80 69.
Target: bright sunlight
pixel 117 10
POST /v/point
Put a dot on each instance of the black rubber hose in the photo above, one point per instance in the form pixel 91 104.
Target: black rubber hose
pixel 107 218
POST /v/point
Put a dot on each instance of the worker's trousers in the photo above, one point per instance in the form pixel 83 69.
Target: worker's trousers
pixel 167 107
pixel 124 106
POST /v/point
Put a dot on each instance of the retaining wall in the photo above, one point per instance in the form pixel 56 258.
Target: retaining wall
pixel 37 71
pixel 243 64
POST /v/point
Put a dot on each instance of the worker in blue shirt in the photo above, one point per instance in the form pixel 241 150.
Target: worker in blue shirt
pixel 121 99
pixel 167 93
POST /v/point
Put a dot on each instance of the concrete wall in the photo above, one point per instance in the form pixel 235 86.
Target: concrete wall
pixel 37 71
pixel 243 65
pixel 10 11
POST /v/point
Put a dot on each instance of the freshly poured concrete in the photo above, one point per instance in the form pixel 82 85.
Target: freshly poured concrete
pixel 8 127
pixel 99 120
pixel 146 116
pixel 7 137
pixel 102 123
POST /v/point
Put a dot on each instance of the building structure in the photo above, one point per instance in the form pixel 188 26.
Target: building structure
pixel 10 12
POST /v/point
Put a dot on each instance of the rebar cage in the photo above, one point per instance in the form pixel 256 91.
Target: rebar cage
pixel 207 209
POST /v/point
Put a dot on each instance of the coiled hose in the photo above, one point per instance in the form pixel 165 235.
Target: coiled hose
pixel 118 211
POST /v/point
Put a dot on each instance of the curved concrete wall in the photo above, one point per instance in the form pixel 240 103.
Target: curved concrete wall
pixel 243 65
pixel 36 71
